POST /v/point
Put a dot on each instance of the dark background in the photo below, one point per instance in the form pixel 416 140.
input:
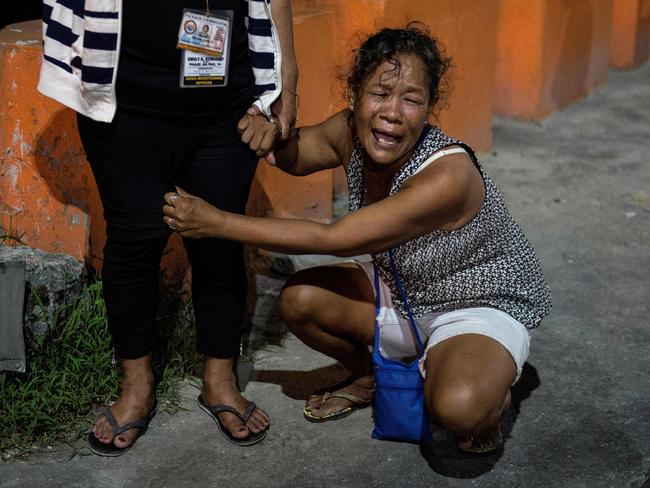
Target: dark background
pixel 13 11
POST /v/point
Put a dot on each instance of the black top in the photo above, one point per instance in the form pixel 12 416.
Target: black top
pixel 149 66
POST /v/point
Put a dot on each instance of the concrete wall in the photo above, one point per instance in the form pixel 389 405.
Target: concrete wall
pixel 549 54
pixel 630 41
pixel 45 182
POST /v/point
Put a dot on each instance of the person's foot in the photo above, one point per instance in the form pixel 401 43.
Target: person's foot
pixel 340 402
pixel 220 388
pixel 487 441
pixel 135 402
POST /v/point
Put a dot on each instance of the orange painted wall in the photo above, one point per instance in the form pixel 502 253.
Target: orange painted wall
pixel 45 183
pixel 549 54
pixel 630 40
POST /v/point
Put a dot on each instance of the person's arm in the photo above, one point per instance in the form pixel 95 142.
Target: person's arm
pixel 259 132
pixel 445 195
pixel 307 150
pixel 285 107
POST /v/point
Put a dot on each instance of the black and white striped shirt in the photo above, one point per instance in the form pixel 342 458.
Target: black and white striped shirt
pixel 81 42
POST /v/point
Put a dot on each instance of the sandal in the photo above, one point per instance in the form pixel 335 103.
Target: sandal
pixel 214 410
pixel 111 450
pixel 356 403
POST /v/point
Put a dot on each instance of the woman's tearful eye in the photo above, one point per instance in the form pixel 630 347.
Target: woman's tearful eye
pixel 414 101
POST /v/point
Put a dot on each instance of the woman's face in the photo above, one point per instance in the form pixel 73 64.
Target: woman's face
pixel 391 110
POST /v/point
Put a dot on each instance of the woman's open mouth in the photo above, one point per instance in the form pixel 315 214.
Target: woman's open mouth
pixel 385 139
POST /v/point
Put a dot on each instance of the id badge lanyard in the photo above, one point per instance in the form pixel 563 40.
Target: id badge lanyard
pixel 204 40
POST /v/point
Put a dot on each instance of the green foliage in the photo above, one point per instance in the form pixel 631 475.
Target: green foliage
pixel 68 376
pixel 73 372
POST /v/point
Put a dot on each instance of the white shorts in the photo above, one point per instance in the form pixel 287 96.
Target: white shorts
pixel 396 339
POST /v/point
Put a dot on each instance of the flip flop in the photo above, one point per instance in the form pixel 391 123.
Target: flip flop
pixel 357 403
pixel 111 450
pixel 214 410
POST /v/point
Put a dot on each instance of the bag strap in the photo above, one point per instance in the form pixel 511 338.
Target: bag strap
pixel 377 309
pixel 400 287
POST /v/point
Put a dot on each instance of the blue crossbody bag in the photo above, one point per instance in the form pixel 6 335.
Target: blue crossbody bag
pixel 400 414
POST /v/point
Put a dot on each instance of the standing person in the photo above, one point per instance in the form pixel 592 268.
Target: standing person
pixel 417 197
pixel 145 129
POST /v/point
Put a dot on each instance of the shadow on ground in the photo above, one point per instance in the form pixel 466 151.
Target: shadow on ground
pixel 299 385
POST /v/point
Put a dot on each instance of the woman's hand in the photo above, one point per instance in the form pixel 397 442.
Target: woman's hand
pixel 191 216
pixel 259 133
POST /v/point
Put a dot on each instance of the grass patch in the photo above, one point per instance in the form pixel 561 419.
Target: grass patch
pixel 69 375
pixel 174 356
pixel 73 372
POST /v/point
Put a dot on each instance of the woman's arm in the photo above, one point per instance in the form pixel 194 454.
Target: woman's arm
pixel 445 195
pixel 307 150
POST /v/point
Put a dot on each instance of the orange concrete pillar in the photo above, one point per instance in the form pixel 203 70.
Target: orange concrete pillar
pixel 630 41
pixel 549 54
pixel 46 188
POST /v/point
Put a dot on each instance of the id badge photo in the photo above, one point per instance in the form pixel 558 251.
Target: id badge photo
pixel 204 40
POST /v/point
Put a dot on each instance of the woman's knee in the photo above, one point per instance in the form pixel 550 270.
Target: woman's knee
pixel 463 408
pixel 297 301
pixel 336 298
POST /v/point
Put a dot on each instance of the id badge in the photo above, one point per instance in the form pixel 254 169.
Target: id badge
pixel 204 41
pixel 206 33
pixel 201 71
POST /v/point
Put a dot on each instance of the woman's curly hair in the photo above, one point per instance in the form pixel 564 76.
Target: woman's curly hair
pixel 387 45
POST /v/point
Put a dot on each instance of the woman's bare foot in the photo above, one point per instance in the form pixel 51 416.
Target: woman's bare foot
pixel 220 388
pixel 340 402
pixel 135 402
pixel 487 441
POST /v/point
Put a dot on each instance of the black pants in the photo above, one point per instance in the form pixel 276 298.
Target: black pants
pixel 136 160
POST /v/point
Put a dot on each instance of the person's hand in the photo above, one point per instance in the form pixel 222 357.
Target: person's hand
pixel 285 109
pixel 259 133
pixel 190 216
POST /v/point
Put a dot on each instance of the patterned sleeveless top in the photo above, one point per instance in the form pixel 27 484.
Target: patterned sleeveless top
pixel 486 263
